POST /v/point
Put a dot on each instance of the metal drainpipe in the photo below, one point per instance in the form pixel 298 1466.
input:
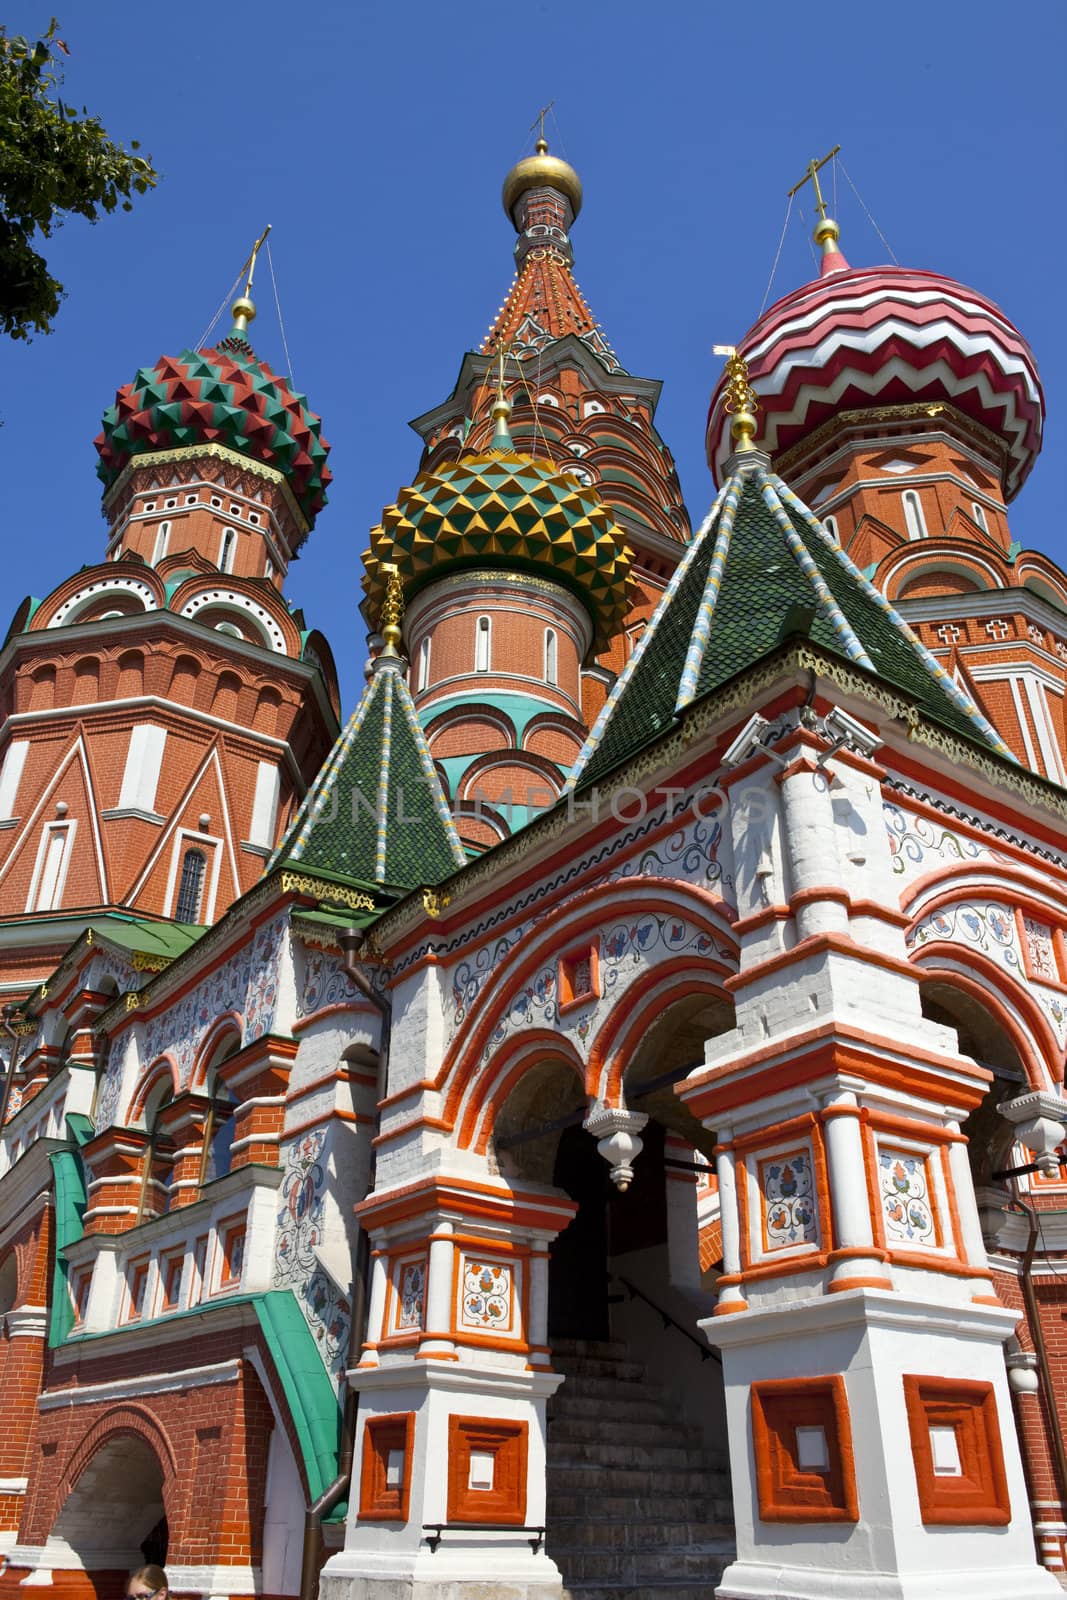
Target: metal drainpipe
pixel 351 941
pixel 1026 1279
pixel 9 1080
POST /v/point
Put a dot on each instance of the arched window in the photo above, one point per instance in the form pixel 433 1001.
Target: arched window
pixel 550 656
pixel 914 520
pixel 159 1158
pixel 481 645
pixel 830 524
pixel 226 550
pixel 162 541
pixel 191 888
pixel 979 516
pixel 424 665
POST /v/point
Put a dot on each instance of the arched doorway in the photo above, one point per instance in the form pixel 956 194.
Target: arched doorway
pixel 114 1518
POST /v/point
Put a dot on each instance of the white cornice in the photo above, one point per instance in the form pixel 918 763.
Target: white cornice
pixel 85 1394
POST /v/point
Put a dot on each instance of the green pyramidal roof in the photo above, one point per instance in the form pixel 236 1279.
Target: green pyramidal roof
pixel 762 566
pixel 377 812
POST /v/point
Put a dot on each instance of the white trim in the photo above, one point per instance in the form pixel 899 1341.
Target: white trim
pixel 53 833
pixel 154 1383
pixel 423 676
pixel 230 597
pixel 551 662
pixel 26 1322
pixel 1046 737
pixel 914 516
pixel 162 541
pixel 134 586
pixel 77 748
pixel 14 1485
pixel 11 776
pixel 211 759
pixel 144 762
pixel 265 804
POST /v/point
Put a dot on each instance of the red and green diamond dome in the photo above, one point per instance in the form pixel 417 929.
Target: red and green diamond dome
pixel 224 396
pixel 868 337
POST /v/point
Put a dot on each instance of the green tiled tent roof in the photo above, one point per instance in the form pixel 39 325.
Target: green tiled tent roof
pixel 377 812
pixel 761 561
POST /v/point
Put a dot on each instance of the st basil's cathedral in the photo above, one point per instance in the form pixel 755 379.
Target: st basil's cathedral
pixel 589 1124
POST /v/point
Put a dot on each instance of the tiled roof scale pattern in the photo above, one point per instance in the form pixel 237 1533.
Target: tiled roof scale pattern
pixel 761 563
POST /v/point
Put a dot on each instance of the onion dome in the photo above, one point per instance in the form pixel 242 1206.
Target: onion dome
pixel 542 171
pixel 871 337
pixel 225 396
pixel 509 510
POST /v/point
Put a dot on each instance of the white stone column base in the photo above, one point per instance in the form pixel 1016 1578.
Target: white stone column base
pixel 758 1580
pixel 482 1567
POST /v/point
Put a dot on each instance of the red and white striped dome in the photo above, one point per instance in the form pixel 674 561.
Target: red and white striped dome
pixel 880 336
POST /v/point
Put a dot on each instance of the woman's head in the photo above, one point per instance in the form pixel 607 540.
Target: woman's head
pixel 146 1583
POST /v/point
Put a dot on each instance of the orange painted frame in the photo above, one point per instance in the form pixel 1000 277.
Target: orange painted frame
pixel 378 1502
pixel 978 1497
pixel 507 1441
pixel 569 999
pixel 786 1492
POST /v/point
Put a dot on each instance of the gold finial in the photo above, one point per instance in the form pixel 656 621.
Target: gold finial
pixel 739 400
pixel 827 232
pixel 244 310
pixel 392 615
pixel 502 439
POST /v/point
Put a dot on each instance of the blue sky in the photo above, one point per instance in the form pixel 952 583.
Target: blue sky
pixel 374 138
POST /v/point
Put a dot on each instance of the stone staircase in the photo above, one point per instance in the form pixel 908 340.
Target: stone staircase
pixel 638 1509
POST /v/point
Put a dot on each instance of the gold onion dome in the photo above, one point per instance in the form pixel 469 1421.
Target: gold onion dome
pixel 542 171
pixel 506 510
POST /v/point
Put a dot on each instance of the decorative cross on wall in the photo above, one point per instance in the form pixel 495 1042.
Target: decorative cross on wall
pixel 948 633
pixel 998 628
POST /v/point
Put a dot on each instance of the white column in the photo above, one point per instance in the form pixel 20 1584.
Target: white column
pixel 971 1244
pixel 540 1355
pixel 378 1279
pixel 437 1340
pixel 730 1297
pixel 811 851
pixel 849 1197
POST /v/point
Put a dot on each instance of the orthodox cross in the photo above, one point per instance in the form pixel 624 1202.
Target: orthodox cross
pixel 250 264
pixel 540 119
pixel 813 174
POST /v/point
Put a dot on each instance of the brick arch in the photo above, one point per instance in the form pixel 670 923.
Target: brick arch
pixel 490 1088
pixel 584 914
pixel 633 1015
pixel 162 1067
pixel 124 1420
pixel 231 1023
pixel 965 879
pixel 1010 1004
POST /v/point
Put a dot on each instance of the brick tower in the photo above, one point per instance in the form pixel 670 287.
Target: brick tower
pixel 908 411
pixel 164 709
pixel 542 530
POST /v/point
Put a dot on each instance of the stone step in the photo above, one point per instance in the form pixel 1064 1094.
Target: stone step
pixel 611 1431
pixel 613 1510
pixel 646 1567
pixel 611 1454
pixel 642 1405
pixel 614 1349
pixel 615 1368
pixel 598 1386
pixel 579 1535
pixel 590 1480
pixel 682 1589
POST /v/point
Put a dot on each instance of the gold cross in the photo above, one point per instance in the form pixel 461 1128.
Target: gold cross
pixel 540 118
pixel 813 174
pixel 250 264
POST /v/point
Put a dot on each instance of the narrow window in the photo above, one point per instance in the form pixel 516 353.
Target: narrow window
pixel 268 568
pixel 191 887
pixel 424 665
pixel 481 645
pixel 914 520
pixel 830 524
pixel 229 539
pixel 979 516
pixel 550 655
pixel 162 541
pixel 52 869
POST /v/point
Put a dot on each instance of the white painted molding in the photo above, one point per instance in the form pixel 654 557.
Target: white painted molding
pixel 26 1322
pixel 152 1383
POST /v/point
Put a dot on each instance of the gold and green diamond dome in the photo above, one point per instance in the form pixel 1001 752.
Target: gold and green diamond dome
pixel 508 510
